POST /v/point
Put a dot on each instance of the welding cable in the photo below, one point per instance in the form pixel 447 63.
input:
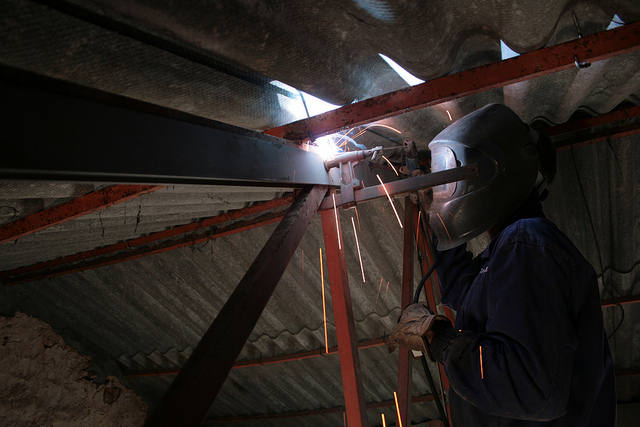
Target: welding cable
pixel 416 298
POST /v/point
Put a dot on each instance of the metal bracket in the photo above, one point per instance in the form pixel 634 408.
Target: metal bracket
pixel 348 181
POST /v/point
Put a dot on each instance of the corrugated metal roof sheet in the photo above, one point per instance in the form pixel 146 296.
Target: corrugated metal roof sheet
pixel 149 313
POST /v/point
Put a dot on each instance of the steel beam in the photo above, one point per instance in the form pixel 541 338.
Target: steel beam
pixel 324 411
pixel 345 327
pixel 591 122
pixel 58 130
pixel 621 300
pixel 405 357
pixel 303 355
pixel 83 205
pixel 430 288
pixel 402 186
pixel 148 245
pixel 190 395
pixel 527 66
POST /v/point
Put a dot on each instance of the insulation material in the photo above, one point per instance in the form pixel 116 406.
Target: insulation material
pixel 45 382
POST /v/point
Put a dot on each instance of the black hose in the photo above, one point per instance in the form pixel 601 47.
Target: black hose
pixel 416 298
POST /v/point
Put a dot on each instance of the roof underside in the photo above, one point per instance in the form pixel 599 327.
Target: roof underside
pixel 216 60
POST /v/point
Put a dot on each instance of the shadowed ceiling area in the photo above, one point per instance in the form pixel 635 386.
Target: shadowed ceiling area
pixel 128 240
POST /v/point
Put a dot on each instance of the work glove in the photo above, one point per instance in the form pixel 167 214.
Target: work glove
pixel 416 328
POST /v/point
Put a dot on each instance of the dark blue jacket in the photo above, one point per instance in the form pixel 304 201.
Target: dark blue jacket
pixel 529 347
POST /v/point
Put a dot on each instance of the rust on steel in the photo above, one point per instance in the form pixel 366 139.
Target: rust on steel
pixel 527 66
pixel 77 207
pixel 352 386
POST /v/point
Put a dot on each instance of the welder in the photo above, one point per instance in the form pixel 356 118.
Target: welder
pixel 528 347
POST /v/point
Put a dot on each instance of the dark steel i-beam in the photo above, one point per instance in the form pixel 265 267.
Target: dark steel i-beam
pixel 189 397
pixel 527 66
pixel 56 130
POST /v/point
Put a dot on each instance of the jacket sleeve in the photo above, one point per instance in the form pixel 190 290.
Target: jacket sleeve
pixel 452 266
pixel 520 365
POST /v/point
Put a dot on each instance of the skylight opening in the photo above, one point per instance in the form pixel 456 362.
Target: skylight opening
pixel 506 51
pixel 615 22
pixel 406 76
pixel 305 106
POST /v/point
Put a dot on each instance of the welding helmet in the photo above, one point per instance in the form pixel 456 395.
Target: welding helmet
pixel 498 142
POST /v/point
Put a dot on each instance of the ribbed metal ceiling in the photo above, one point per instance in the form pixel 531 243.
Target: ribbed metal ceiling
pixel 216 60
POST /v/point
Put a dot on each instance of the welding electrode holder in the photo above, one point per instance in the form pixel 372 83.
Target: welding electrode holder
pixel 348 181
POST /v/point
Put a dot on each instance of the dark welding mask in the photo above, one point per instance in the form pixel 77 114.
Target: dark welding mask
pixel 498 142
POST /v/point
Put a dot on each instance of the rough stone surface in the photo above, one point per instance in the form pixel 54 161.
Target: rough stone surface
pixel 44 382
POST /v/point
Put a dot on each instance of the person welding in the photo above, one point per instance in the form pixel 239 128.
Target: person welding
pixel 528 347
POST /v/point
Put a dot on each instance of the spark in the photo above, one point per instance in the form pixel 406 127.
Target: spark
pixel 377 296
pixel 445 227
pixel 385 293
pixel 449 114
pixel 335 211
pixel 344 419
pixel 395 396
pixel 355 233
pixel 481 368
pixel 390 201
pixel 418 229
pixel 357 217
pixel 302 257
pixel 390 164
pixel 384 423
pixel 384 126
pixel 324 306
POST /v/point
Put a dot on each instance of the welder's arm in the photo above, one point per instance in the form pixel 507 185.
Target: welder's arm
pixel 453 265
pixel 520 366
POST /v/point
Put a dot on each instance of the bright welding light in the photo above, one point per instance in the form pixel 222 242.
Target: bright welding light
pixel 326 147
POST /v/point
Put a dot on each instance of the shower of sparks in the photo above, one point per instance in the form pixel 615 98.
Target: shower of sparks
pixel 335 211
pixel 390 201
pixel 395 396
pixel 386 292
pixel 445 227
pixel 481 368
pixel 384 423
pixel 449 114
pixel 378 296
pixel 324 305
pixel 390 164
pixel 355 233
pixel 357 217
pixel 362 131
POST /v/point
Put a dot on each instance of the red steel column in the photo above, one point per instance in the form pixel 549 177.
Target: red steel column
pixel 430 294
pixel 189 397
pixel 345 328
pixel 405 356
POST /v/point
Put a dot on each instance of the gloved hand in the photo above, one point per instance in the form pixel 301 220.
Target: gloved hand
pixel 417 324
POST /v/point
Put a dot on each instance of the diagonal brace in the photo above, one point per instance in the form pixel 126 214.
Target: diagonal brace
pixel 189 397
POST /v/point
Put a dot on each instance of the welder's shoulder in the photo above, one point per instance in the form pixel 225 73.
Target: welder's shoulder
pixel 539 233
